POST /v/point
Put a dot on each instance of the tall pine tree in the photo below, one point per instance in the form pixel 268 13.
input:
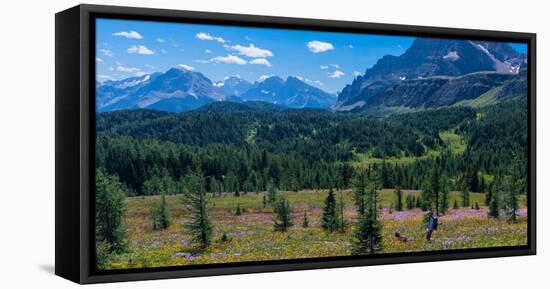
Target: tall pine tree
pixel 341 206
pixel 160 215
pixel 199 224
pixel 368 234
pixel 398 199
pixel 283 214
pixel 359 191
pixel 110 208
pixel 329 220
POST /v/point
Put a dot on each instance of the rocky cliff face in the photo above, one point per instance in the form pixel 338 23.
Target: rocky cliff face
pixel 432 68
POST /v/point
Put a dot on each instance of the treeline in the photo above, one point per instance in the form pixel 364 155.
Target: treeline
pixel 151 152
pixel 307 133
pixel 150 167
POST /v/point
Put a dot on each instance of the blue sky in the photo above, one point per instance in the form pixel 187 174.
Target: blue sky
pixel 327 60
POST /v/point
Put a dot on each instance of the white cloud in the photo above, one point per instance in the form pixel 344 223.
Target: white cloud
pixel 97 59
pixel 202 61
pixel 149 66
pixel 129 34
pixel 229 59
pixel 208 51
pixel 252 51
pixel 106 52
pixel 336 74
pixel 206 36
pixel 104 76
pixel 131 70
pixel 356 73
pixel 316 46
pixel 350 46
pixel 324 67
pixel 160 40
pixel 260 61
pixel 140 49
pixel 186 67
pixel 264 77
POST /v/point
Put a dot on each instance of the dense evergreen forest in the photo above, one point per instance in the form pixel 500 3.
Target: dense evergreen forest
pixel 247 151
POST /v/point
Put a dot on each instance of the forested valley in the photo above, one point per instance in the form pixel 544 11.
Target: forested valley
pixel 246 151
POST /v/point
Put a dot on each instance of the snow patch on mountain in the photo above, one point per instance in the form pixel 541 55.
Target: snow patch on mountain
pixel 451 56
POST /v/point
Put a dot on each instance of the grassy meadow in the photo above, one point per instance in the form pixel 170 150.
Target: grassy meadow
pixel 250 236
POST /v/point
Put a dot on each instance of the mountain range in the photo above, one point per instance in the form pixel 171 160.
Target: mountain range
pixel 431 73
pixel 178 90
pixel 436 72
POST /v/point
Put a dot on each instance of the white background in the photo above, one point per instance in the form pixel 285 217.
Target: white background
pixel 27 143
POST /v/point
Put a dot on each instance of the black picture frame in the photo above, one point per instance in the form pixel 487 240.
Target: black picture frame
pixel 75 142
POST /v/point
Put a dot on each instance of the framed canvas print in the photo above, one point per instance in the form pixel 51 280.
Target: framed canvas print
pixel 194 144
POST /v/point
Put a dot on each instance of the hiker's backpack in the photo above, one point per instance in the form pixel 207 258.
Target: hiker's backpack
pixel 435 220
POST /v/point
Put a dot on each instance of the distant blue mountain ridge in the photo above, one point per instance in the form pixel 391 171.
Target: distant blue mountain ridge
pixel 431 73
pixel 178 90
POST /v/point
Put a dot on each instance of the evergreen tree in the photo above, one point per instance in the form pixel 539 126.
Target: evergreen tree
pixel 196 202
pixel 305 222
pixel 426 196
pixel 410 202
pixel 359 191
pixel 238 210
pixel 488 193
pixel 517 181
pixel 511 199
pixel 224 238
pixel 271 193
pixel 418 203
pixel 329 220
pixel 110 209
pixel 215 186
pixel 455 205
pixel 494 202
pixel 433 189
pixel 342 223
pixel 398 199
pixel 368 234
pixel 476 206
pixel 482 185
pixel 264 201
pixel 160 215
pixel 283 214
pixel 444 199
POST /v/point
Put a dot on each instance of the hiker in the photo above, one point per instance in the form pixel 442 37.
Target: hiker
pixel 431 225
